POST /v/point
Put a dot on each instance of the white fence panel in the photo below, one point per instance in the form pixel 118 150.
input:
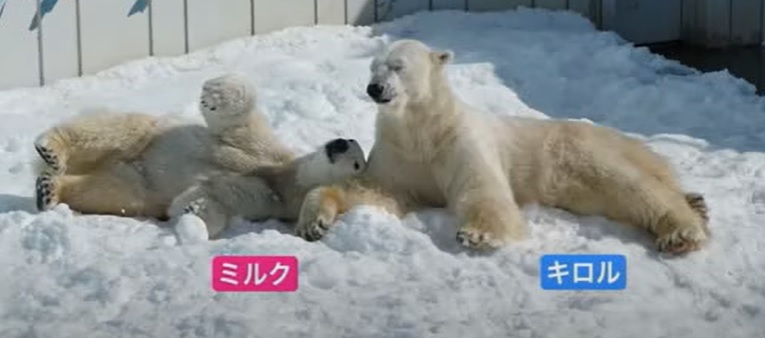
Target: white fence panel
pixel 550 4
pixel 330 12
pixel 628 18
pixel 496 5
pixel 210 22
pixel 19 55
pixel 718 21
pixel 391 9
pixel 109 36
pixel 449 4
pixel 275 15
pixel 168 32
pixel 86 36
pixel 588 8
pixel 360 12
pixel 745 21
pixel 60 54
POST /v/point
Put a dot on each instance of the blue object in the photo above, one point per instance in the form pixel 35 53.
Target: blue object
pixel 138 6
pixel 46 6
pixel 583 272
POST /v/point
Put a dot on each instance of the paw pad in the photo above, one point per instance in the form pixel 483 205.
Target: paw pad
pixel 478 240
pixel 681 240
pixel 45 192
pixel 48 156
pixel 315 231
pixel 195 207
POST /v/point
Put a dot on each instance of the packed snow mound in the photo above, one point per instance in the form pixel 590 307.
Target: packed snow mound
pixel 67 275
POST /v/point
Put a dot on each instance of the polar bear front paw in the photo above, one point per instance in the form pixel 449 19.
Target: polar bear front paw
pixel 681 239
pixel 317 227
pixel 488 229
pixel 46 195
pixel 478 239
pixel 318 213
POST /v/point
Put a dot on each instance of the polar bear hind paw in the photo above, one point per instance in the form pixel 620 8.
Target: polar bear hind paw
pixel 698 204
pixel 681 240
pixel 195 207
pixel 45 192
pixel 48 155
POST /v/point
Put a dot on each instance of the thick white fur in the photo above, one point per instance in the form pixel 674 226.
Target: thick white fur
pixel 431 150
pixel 135 164
pixel 269 191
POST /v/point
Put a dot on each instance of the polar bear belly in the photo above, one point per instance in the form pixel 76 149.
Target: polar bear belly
pixel 176 160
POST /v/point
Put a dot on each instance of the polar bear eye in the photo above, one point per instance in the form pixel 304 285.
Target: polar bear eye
pixel 397 67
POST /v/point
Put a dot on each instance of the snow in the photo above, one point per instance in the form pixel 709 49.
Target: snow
pixel 67 275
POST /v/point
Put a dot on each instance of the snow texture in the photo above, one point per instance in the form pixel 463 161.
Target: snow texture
pixel 67 275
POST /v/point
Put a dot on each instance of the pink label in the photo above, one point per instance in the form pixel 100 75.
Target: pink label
pixel 254 273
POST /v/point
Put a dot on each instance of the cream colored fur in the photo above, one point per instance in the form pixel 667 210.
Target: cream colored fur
pixel 269 191
pixel 135 164
pixel 431 150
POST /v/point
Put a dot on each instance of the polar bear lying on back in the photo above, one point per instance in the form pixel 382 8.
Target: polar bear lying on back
pixel 137 164
pixel 431 150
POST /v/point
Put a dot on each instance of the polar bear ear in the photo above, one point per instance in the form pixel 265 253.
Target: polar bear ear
pixel 442 57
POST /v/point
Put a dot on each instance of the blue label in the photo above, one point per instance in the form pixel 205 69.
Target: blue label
pixel 583 272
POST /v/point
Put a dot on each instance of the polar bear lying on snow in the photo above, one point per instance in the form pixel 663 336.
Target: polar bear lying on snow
pixel 215 199
pixel 136 164
pixel 431 150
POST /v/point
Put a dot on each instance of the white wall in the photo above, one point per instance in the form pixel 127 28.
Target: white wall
pixel 85 36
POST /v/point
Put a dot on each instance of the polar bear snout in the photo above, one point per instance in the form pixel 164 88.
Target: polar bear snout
pixel 345 150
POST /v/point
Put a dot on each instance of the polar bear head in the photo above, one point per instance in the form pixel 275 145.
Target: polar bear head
pixel 226 100
pixel 333 161
pixel 406 72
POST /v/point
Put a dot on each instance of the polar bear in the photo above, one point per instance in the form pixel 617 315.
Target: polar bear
pixel 431 150
pixel 268 191
pixel 134 164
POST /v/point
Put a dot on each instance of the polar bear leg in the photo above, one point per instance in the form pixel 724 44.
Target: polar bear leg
pixel 80 145
pixel 196 201
pixel 320 208
pixel 246 196
pixel 642 157
pixel 322 205
pixel 628 194
pixel 481 196
pixel 118 189
pixel 220 197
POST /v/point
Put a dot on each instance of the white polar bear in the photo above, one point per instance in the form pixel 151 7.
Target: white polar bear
pixel 431 150
pixel 218 198
pixel 135 164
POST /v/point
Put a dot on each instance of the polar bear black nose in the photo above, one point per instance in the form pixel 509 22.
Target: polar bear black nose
pixel 374 90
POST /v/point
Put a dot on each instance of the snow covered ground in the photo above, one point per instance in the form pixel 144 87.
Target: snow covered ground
pixel 64 275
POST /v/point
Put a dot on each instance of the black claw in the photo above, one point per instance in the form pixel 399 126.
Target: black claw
pixel 48 156
pixel 42 190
